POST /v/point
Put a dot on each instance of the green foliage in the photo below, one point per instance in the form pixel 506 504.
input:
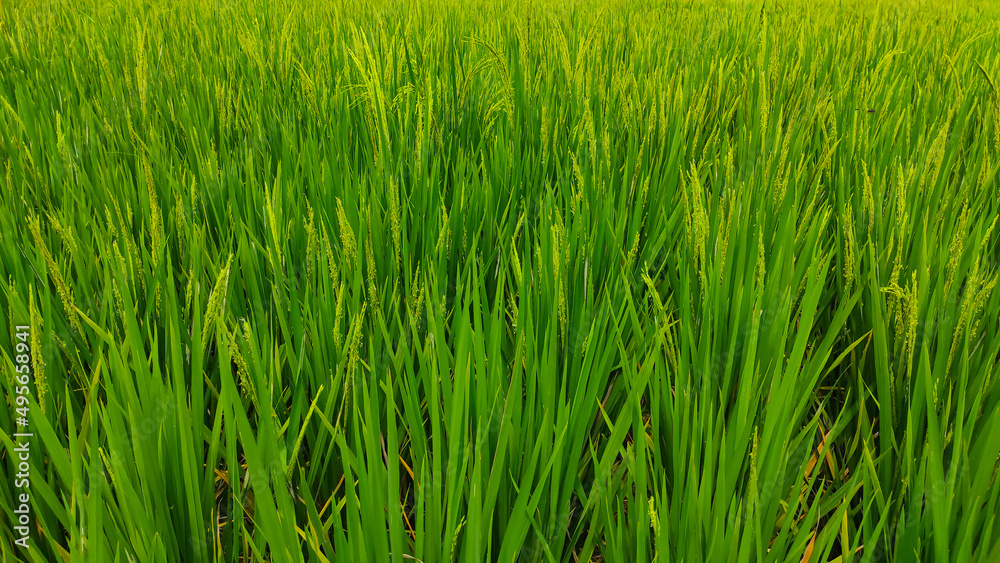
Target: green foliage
pixel 546 281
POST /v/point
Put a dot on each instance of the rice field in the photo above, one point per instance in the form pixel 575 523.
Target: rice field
pixel 538 281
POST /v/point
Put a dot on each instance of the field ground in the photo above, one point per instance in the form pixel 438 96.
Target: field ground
pixel 564 281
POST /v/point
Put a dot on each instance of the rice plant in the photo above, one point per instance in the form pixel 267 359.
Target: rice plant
pixel 524 281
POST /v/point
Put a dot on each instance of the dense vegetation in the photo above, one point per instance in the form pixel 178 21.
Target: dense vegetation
pixel 547 281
